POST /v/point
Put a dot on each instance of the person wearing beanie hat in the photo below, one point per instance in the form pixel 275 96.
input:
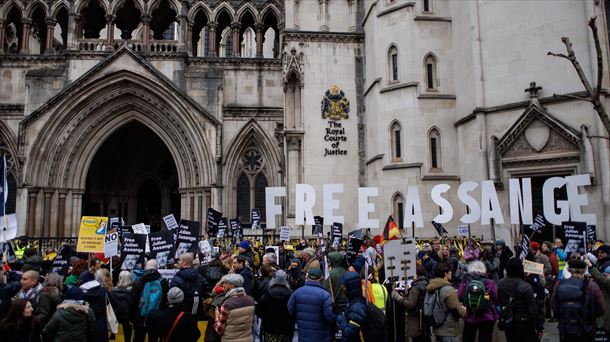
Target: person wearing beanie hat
pixel 159 323
pixel 528 321
pixel 272 309
pixel 603 281
pixel 73 319
pixel 233 318
pixel 603 257
pixel 577 323
pixel 355 314
pixel 244 249
pixel 296 276
pixel 312 307
pixel 541 258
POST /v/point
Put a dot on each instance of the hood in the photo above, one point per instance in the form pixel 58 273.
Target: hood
pixel 88 286
pixel 436 283
pixel 336 259
pixel 188 274
pixel 150 275
pixel 353 285
pixel 279 292
pixel 73 312
pixel 51 290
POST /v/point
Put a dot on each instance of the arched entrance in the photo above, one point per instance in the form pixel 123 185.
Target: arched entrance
pixel 133 175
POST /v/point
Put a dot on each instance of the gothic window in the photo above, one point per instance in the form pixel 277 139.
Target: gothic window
pixel 251 183
pixel 434 139
pixel 431 73
pixel 396 141
pixel 427 6
pixel 226 43
pixel 393 64
pixel 11 180
pixel 398 207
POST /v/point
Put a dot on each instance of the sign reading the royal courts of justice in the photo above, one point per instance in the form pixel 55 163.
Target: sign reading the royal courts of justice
pixel 335 107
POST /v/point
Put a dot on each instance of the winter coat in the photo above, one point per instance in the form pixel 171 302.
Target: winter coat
pixel 524 306
pixel 554 263
pixel 312 307
pixel 337 262
pixel 429 265
pixel 27 331
pixel 449 300
pixel 95 295
pixel 260 287
pixel 543 259
pixel 284 259
pixel 33 262
pixel 73 321
pixel 296 276
pixel 602 264
pixel 7 291
pixel 413 315
pixel 246 273
pixel 593 290
pixel 50 298
pixel 604 284
pixel 123 298
pixel 190 281
pixel 249 255
pixel 491 314
pixel 312 263
pixel 136 293
pixel 160 322
pixel 354 317
pixel 272 309
pixel 33 296
pixel 505 255
pixel 235 316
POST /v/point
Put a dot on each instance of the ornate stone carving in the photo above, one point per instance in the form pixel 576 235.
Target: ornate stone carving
pixel 292 66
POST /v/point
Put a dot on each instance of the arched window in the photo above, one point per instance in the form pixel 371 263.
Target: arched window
pixel 398 209
pixel 396 141
pixel 431 72
pixel 251 184
pixel 259 193
pixel 434 140
pixel 243 197
pixel 393 64
pixel 427 6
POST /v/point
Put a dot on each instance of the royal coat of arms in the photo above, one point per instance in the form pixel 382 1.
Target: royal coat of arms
pixel 334 104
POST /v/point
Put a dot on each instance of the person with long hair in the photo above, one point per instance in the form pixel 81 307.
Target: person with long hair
pixel 50 298
pixel 20 325
pixel 122 293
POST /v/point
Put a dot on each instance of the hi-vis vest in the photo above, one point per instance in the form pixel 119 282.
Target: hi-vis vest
pixel 19 251
pixel 380 293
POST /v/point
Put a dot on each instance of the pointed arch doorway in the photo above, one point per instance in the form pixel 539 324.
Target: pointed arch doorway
pixel 133 175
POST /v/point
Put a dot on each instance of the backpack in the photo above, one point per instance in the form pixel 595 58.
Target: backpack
pixel 576 316
pixel 151 296
pixel 476 298
pixel 435 313
pixel 376 327
pixel 506 316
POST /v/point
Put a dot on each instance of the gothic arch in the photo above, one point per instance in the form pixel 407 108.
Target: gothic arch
pixel 153 5
pixel 270 8
pixel 196 8
pixel 29 10
pixel 247 7
pixel 54 10
pixel 8 143
pixel 4 10
pixel 226 8
pixel 80 5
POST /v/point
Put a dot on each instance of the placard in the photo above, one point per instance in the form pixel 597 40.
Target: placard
pixel 214 217
pixel 236 230
pixel 92 234
pixel 188 234
pixel 284 233
pixel 222 228
pixel 574 236
pixel 132 251
pixel 205 252
pixel 533 267
pixel 256 218
pixel 10 231
pixel 352 249
pixel 336 234
pixel 318 225
pixel 111 245
pixel 161 246
pixel 399 257
pixel 463 229
pixel 139 228
pixel 168 274
pixel 170 222
pixel 61 263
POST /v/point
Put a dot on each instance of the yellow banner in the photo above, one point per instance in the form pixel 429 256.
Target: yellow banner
pixel 92 234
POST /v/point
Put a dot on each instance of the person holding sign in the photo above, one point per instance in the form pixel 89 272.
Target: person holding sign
pixel 603 281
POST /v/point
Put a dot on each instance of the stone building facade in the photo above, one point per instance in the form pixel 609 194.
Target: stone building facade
pixel 141 108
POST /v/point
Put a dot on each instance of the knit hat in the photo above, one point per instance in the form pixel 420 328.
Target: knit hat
pixel 175 295
pixel 233 278
pixel 604 249
pixel 359 263
pixel 535 245
pixel 75 293
pixel 279 278
pixel 577 264
pixel 86 277
pixel 314 274
pixel 244 244
pixel 353 287
pixel 420 255
pixel 514 268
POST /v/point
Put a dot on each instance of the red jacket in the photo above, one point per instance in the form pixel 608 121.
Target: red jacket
pixel 554 263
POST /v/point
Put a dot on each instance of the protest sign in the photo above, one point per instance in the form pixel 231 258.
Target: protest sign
pixel 352 249
pixel 170 222
pixel 214 217
pixel 591 233
pixel 284 233
pixel 168 274
pixel 132 251
pixel 533 267
pixel 92 234
pixel 256 218
pixel 186 241
pixel 139 228
pixel 115 223
pixel 236 229
pixel 357 234
pixel 336 234
pixel 574 236
pixel 111 245
pixel 223 224
pixel 463 229
pixel 161 245
pixel 205 252
pixel 9 231
pixel 61 263
pixel 399 259
pixel 318 225
pixel 124 229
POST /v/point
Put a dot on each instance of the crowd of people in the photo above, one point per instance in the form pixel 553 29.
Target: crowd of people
pixel 309 294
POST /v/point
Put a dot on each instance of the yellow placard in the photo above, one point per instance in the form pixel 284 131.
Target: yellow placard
pixel 92 234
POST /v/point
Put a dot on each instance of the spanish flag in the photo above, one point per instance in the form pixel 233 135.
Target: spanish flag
pixel 391 231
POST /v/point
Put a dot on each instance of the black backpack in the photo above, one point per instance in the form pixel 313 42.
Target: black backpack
pixel 376 327
pixel 576 308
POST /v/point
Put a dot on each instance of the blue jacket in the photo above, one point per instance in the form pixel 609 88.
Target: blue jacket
pixel 313 308
pixel 354 317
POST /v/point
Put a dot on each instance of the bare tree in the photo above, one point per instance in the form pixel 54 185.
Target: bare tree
pixel 594 94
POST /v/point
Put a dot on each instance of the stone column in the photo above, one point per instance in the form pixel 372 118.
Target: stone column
pixel 189 39
pixel 351 4
pixel 25 35
pixel 192 215
pixel 1 36
pixel 61 213
pixel 259 40
pixel 324 15
pixel 73 31
pixel 184 29
pixel 46 228
pixel 32 196
pixel 183 207
pixel 145 32
pixel 110 32
pixel 293 145
pixel 48 49
pixel 77 207
pixel 236 41
pixel 212 39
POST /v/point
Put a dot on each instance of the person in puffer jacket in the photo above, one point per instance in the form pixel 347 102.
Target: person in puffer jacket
pixel 354 318
pixel 73 320
pixel 312 306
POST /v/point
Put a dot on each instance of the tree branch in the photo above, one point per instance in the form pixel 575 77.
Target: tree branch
pixel 600 63
pixel 579 71
pixel 573 97
pixel 561 55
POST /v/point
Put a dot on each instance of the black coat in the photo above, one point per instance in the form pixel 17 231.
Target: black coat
pixel 123 298
pixel 136 293
pixel 524 304
pixel 272 309
pixel 160 322
pixel 248 279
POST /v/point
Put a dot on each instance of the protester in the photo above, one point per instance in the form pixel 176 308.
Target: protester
pixel 20 325
pixel 528 322
pixel 312 307
pixel 73 321
pixel 240 267
pixel 415 326
pixel 50 297
pixel 32 261
pixel 271 260
pixel 174 323
pixel 145 297
pixel 603 258
pixel 262 283
pixel 577 302
pixel 540 257
pixel 603 281
pixel 235 315
pixel 190 281
pixel 10 284
pixel 272 309
pixel 285 256
pixel 337 267
pixel 428 263
pixel 448 331
pixel 504 254
pixel 245 250
pixel 30 288
pixel 216 269
pixel 562 257
pixel 353 320
pixel 77 267
pixel 309 259
pixel 296 275
pixel 122 293
pixel 479 295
